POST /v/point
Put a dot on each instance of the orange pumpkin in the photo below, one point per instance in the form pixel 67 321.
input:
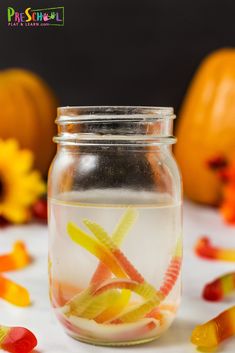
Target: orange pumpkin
pixel 27 113
pixel 206 126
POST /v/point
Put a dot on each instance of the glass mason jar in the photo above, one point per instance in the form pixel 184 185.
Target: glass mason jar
pixel 115 244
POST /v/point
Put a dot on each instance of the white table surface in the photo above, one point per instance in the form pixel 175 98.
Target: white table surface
pixel 196 272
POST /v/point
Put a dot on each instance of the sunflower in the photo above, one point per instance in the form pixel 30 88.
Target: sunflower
pixel 20 186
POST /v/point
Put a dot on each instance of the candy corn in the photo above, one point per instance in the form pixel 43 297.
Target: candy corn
pixel 220 287
pixel 205 249
pixel 17 339
pixel 215 331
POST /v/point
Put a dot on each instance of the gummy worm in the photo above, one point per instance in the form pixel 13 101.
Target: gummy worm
pixel 101 307
pixel 89 303
pixel 99 303
pixel 16 259
pixel 138 312
pixel 173 271
pixel 142 309
pixel 95 248
pixel 220 287
pixel 112 311
pixel 17 339
pixel 145 290
pixel 79 302
pixel 210 334
pixel 13 292
pixel 205 249
pixel 102 272
pixel 124 263
pixel 124 226
pixel 78 305
pixel 171 276
pixel 170 279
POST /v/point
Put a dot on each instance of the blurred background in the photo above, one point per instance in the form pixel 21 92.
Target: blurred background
pixel 128 53
pixel 119 52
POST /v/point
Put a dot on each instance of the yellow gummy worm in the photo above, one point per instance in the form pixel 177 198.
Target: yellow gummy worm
pixel 178 248
pixel 145 290
pixel 102 272
pixel 105 239
pixel 95 248
pixel 142 309
pixel 124 226
pixel 123 264
pixel 88 305
pixel 112 311
pixel 78 303
pixel 139 311
pixel 100 234
pixel 99 303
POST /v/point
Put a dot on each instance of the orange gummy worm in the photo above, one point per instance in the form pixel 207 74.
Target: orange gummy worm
pixel 213 332
pixel 173 271
pixel 204 248
pixel 124 263
pixel 16 259
pixel 143 289
pixel 171 275
pixel 102 272
pixel 95 248
pixel 13 292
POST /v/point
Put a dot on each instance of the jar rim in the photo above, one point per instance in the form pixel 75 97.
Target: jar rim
pixel 119 125
pixel 99 113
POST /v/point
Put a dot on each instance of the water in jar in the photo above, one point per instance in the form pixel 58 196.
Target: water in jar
pixel 114 264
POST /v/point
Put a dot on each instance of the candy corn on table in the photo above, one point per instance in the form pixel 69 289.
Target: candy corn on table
pixel 39 318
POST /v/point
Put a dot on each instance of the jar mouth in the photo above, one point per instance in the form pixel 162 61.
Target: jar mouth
pixel 121 125
pixel 68 114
